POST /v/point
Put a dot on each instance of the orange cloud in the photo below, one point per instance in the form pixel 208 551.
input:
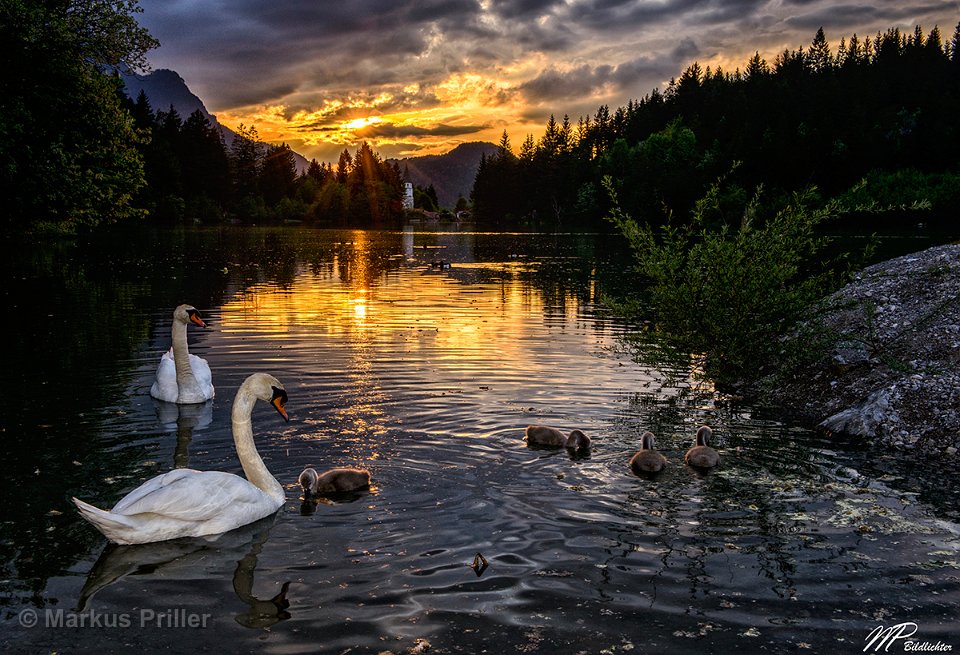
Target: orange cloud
pixel 468 106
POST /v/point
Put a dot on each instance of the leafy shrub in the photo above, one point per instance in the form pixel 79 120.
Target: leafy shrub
pixel 907 190
pixel 728 294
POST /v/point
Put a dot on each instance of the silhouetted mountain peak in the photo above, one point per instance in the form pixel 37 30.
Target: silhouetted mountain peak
pixel 451 174
pixel 165 88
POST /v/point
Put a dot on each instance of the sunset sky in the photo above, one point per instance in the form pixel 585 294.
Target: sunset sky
pixel 414 77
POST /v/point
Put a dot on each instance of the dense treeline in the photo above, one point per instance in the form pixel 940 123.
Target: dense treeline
pixel 192 174
pixel 882 109
pixel 76 152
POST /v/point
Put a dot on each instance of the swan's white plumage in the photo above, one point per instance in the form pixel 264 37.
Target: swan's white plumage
pixel 182 377
pixel 182 503
pixel 165 387
pixel 189 503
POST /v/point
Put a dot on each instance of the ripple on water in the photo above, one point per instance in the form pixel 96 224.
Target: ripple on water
pixel 428 380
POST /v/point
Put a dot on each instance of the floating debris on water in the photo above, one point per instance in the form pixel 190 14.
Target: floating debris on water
pixel 480 564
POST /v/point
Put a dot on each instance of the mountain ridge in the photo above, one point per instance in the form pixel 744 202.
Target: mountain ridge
pixel 165 88
pixel 451 174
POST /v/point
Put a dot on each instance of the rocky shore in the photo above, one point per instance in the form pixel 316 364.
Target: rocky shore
pixel 892 374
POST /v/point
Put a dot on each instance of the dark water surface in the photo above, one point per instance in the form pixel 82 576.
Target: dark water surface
pixel 427 376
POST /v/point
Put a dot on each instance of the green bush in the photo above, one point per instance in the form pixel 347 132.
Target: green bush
pixel 729 294
pixel 906 189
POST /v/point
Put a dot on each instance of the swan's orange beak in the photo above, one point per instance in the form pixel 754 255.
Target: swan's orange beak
pixel 279 402
pixel 195 318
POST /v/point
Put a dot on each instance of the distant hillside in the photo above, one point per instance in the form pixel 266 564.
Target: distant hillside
pixel 451 174
pixel 165 88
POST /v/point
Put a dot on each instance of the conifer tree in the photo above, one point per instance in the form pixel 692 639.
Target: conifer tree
pixel 818 56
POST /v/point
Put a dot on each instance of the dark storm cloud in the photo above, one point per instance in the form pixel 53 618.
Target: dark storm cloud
pixel 390 131
pixel 611 14
pixel 633 78
pixel 515 9
pixel 639 76
pixel 551 37
pixel 299 53
pixel 686 50
pixel 553 84
pixel 248 52
pixel 728 12
pixel 847 17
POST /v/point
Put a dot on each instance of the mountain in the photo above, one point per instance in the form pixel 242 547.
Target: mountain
pixel 165 87
pixel 451 174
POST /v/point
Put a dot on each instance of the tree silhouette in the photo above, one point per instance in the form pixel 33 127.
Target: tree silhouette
pixel 812 117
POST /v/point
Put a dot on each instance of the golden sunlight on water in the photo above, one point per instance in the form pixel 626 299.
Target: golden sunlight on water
pixel 412 311
pixel 379 340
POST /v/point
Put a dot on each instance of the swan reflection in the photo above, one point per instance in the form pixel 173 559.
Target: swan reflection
pixel 183 419
pixel 192 557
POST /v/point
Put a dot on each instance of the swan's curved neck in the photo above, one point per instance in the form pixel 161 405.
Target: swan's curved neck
pixel 181 356
pixel 253 466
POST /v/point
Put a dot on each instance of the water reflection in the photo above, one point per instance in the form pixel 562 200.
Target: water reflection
pixel 308 506
pixel 427 376
pixel 261 613
pixel 183 419
pixel 186 559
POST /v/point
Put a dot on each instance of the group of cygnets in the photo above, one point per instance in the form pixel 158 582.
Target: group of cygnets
pixel 189 503
pixel 644 461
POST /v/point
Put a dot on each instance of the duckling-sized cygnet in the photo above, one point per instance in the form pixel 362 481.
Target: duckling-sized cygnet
pixel 577 440
pixel 702 456
pixel 647 460
pixel 333 481
pixel 541 435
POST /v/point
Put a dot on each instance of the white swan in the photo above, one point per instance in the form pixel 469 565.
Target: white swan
pixel 181 377
pixel 189 503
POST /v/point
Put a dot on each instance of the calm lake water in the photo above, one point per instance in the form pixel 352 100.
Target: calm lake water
pixel 427 376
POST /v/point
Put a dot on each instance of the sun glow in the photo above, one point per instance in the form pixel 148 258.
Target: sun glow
pixel 360 123
pixel 412 118
pixel 360 306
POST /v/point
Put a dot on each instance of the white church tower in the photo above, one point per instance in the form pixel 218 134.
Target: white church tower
pixel 408 195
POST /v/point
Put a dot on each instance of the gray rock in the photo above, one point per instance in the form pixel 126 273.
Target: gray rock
pixel 864 420
pixel 893 374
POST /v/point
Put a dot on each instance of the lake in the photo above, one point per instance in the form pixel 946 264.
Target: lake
pixel 427 375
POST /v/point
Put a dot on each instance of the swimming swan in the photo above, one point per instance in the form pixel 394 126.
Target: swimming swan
pixel 647 460
pixel 541 435
pixel 701 455
pixel 333 481
pixel 189 503
pixel 181 377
